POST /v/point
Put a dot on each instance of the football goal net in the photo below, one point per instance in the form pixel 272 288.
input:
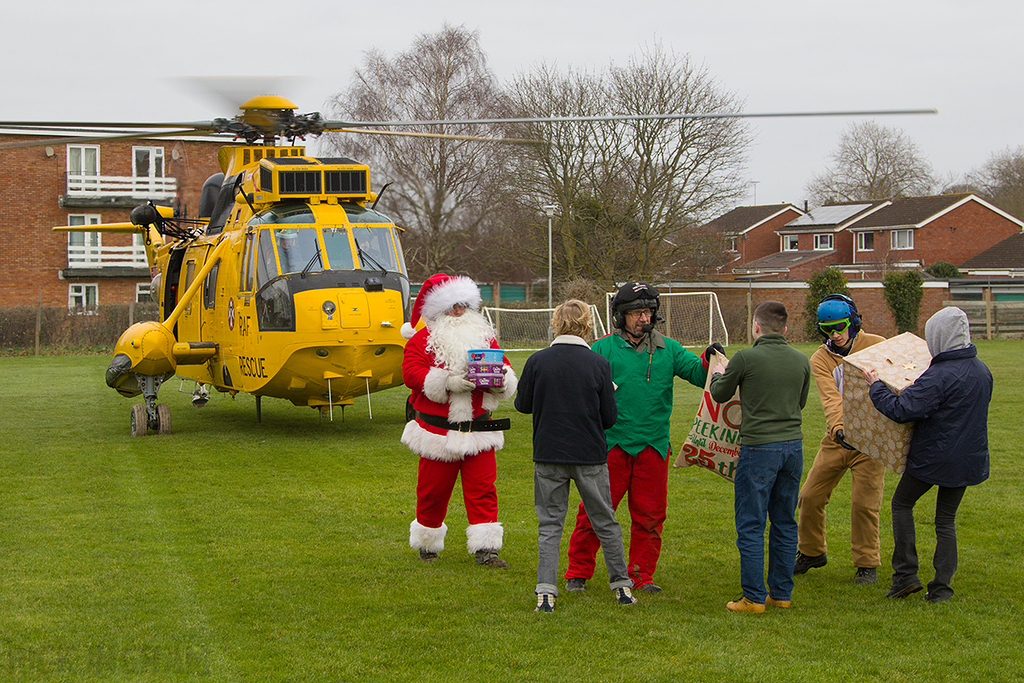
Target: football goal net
pixel 528 329
pixel 691 318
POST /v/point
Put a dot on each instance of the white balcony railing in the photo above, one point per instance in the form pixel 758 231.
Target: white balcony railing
pixel 121 186
pixel 106 257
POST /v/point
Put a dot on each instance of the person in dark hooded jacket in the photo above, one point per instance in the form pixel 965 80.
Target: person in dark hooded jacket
pixel 948 449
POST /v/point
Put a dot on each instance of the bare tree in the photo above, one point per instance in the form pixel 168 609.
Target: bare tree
pixel 872 162
pixel 559 171
pixel 443 191
pixel 628 191
pixel 684 172
pixel 1001 180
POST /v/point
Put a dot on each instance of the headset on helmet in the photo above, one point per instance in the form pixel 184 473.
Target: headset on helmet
pixel 837 307
pixel 631 296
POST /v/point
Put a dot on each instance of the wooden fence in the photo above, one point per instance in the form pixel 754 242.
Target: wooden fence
pixel 993 319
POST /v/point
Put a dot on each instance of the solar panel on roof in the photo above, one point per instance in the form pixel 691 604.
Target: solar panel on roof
pixel 828 215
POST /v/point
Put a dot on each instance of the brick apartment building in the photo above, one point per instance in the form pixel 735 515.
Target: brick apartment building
pixel 76 183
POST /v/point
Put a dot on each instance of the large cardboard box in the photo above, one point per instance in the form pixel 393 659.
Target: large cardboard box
pixel 899 362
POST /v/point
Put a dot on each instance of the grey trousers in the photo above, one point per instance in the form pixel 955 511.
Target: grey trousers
pixel 551 500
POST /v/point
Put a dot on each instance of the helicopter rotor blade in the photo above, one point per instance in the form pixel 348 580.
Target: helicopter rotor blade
pixel 89 125
pixel 97 138
pixel 332 125
pixel 444 136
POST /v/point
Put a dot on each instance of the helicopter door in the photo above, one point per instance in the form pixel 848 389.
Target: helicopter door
pixel 190 323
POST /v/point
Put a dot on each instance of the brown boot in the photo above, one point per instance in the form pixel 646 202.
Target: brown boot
pixel 489 558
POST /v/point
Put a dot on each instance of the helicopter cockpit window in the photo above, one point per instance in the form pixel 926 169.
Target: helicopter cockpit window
pixel 295 212
pixel 274 307
pixel 339 250
pixel 375 249
pixel 266 267
pixel 222 208
pixel 360 214
pixel 296 249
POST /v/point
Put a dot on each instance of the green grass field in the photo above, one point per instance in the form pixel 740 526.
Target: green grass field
pixel 236 551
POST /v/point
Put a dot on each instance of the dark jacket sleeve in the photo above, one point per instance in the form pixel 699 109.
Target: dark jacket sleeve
pixel 524 392
pixel 723 385
pixel 917 401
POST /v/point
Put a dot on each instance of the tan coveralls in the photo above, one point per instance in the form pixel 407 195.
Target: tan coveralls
pixel 831 463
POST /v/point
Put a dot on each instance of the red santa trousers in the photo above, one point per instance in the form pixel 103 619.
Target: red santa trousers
pixel 437 481
pixel 645 478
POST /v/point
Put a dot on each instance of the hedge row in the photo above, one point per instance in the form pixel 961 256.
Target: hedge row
pixel 63 329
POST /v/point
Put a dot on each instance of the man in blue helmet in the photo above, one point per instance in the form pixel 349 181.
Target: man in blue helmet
pixel 839 323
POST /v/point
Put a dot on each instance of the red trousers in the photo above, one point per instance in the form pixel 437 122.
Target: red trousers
pixel 645 477
pixel 437 481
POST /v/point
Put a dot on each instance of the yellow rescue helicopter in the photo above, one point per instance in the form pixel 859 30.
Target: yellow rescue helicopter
pixel 290 283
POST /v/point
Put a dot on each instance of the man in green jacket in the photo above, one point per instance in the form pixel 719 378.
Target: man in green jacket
pixel 773 379
pixel 644 365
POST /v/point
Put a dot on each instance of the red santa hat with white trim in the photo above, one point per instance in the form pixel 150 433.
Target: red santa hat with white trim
pixel 438 294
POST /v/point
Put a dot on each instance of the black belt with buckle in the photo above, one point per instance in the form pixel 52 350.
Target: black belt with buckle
pixel 483 423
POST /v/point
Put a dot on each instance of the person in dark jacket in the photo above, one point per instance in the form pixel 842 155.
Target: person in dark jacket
pixel 948 449
pixel 568 389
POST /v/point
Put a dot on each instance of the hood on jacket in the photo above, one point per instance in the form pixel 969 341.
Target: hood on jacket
pixel 947 330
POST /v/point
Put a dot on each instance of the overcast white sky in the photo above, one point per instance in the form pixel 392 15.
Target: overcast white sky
pixel 117 60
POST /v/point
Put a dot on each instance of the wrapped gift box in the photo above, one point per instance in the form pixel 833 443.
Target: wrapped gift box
pixel 485 367
pixel 899 362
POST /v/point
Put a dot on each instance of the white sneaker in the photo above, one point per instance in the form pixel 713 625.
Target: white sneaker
pixel 624 596
pixel 545 602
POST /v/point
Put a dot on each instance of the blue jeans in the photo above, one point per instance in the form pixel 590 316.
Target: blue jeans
pixel 767 484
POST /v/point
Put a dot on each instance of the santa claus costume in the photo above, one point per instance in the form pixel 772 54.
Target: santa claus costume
pixel 452 430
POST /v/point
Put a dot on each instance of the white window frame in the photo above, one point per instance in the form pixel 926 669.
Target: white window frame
pixel 862 239
pixel 824 241
pixel 731 243
pixel 788 239
pixel 157 165
pixel 89 243
pixel 78 298
pixel 898 244
pixel 82 170
pixel 142 292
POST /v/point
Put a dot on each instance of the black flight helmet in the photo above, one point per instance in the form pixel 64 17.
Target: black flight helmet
pixel 631 296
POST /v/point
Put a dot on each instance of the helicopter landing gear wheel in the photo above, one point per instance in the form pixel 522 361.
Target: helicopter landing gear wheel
pixel 163 418
pixel 140 420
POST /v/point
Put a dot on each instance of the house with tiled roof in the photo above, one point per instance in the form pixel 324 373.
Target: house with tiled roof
pixel 1002 260
pixel 918 231
pixel 812 241
pixel 750 231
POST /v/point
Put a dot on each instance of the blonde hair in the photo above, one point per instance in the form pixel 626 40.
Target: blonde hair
pixel 573 317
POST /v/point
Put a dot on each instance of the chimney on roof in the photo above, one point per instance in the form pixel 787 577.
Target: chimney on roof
pixel 805 206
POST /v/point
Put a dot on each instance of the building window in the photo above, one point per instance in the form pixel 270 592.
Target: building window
pixel 148 162
pixel 83 298
pixel 730 243
pixel 865 241
pixel 823 242
pixel 902 239
pixel 790 242
pixel 83 247
pixel 142 292
pixel 83 166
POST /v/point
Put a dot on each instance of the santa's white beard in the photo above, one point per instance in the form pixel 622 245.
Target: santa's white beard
pixel 451 337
